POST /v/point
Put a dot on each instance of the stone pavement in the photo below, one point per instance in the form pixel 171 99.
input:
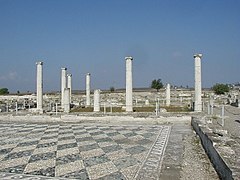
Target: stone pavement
pixel 173 156
pixel 86 151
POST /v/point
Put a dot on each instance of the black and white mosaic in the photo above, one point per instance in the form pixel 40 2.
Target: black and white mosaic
pixel 72 151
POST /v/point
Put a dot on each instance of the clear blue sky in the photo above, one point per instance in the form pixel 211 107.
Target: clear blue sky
pixel 95 35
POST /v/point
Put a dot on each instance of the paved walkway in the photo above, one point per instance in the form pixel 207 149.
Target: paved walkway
pixel 88 151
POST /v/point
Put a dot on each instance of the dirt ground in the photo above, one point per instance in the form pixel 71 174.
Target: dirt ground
pixel 196 164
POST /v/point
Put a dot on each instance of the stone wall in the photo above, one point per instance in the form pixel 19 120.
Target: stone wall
pixel 223 163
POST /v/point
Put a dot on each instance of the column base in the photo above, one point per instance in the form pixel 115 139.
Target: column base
pixel 129 109
pixel 35 110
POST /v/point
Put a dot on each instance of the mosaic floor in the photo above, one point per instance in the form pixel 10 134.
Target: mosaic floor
pixel 73 151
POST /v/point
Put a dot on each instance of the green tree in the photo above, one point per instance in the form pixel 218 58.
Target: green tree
pixel 220 88
pixel 157 84
pixel 112 89
pixel 3 91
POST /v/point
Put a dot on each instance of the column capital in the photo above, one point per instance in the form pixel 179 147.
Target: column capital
pixel 198 55
pixel 88 74
pixel 128 57
pixel 39 63
pixel 63 68
pixel 70 75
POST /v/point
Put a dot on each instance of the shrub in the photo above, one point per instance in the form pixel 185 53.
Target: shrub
pixel 220 88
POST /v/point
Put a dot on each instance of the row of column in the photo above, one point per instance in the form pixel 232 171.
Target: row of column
pixel 66 87
pixel 129 86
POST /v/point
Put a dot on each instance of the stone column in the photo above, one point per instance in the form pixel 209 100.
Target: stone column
pixel 63 83
pixel 66 102
pixel 7 107
pixel 39 86
pixel 198 83
pixel 168 95
pixel 16 107
pixel 56 108
pixel 96 107
pixel 88 100
pixel 129 107
pixel 69 85
pixel 211 103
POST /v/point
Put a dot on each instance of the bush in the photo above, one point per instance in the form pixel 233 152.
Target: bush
pixel 4 91
pixel 220 88
pixel 112 89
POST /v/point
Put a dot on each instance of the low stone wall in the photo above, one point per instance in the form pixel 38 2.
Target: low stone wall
pixel 93 118
pixel 221 156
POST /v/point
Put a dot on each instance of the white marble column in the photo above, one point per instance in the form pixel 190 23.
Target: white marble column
pixel 63 83
pixel 69 85
pixel 168 95
pixel 198 83
pixel 16 107
pixel 88 100
pixel 39 86
pixel 96 107
pixel 129 106
pixel 66 102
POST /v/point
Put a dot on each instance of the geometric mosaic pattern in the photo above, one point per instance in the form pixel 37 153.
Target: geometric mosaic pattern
pixel 78 151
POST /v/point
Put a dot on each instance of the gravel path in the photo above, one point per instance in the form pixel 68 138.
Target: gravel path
pixel 196 164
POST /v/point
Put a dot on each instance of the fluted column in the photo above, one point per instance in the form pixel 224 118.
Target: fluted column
pixel 168 95
pixel 66 101
pixel 69 85
pixel 129 106
pixel 198 83
pixel 63 83
pixel 96 107
pixel 88 100
pixel 39 86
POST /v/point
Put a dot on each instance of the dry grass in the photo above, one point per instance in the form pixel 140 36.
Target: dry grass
pixel 135 109
pixel 82 109
pixel 177 109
